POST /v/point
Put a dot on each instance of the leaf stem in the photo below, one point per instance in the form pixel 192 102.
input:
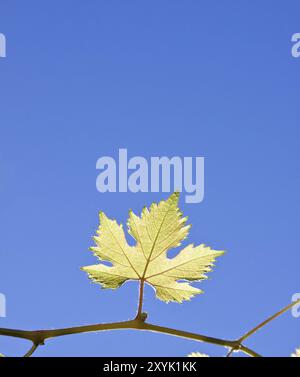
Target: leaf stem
pixel 141 299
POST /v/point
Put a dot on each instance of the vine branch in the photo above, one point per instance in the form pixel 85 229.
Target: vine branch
pixel 268 320
pixel 31 351
pixel 38 337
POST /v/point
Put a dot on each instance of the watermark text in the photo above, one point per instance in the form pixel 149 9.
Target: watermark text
pixel 296 46
pixel 2 305
pixel 2 46
pixel 296 308
pixel 156 174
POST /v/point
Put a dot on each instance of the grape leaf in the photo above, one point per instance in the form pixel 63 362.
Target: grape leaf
pixel 159 229
pixel 297 353
pixel 197 354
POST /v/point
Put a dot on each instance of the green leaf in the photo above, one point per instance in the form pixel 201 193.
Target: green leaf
pixel 297 353
pixel 159 229
pixel 197 354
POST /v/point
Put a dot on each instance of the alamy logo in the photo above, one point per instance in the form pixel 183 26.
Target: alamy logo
pixel 2 305
pixel 296 46
pixel 159 174
pixel 296 308
pixel 2 46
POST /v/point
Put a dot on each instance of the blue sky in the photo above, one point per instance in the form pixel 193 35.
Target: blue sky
pixel 186 78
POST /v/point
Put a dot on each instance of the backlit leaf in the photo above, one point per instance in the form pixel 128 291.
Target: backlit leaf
pixel 296 353
pixel 197 354
pixel 159 229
